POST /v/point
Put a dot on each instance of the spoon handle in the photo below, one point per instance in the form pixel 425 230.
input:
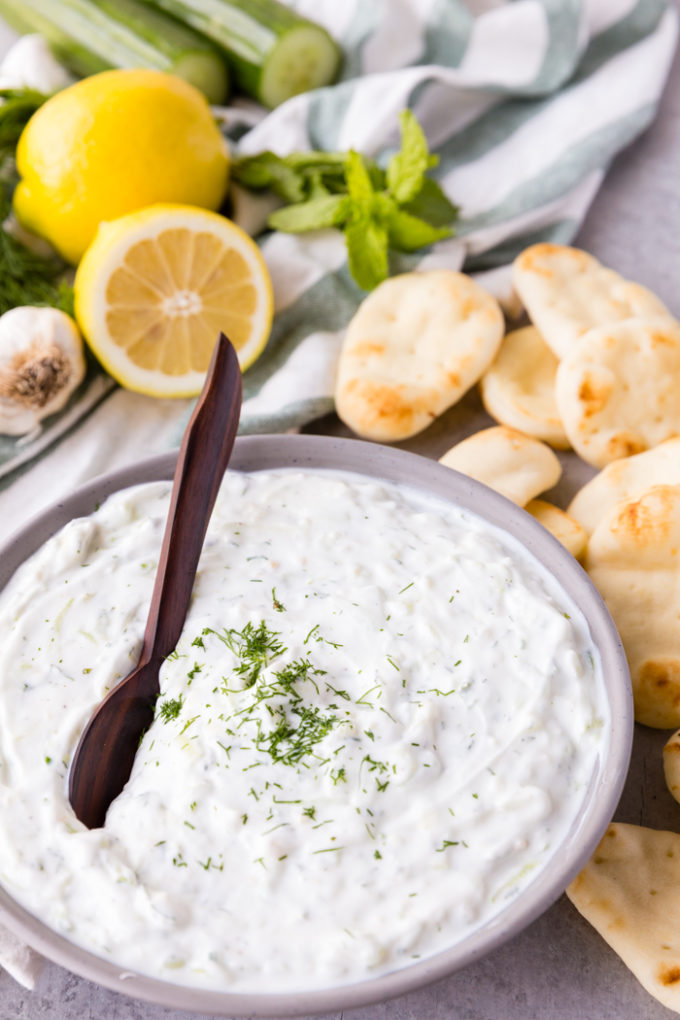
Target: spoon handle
pixel 203 458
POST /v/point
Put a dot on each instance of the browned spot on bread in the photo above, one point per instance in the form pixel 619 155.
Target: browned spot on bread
pixel 467 307
pixel 531 259
pixel 593 395
pixel 647 521
pixel 368 349
pixel 668 975
pixel 378 405
pixel 517 439
pixel 662 673
pixel 659 339
pixel 625 445
pixel 657 692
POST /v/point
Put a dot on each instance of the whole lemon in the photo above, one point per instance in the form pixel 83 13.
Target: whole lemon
pixel 113 143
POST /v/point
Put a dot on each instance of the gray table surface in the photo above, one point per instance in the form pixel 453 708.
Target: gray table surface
pixel 558 968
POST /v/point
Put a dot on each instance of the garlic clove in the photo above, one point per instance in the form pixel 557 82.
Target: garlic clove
pixel 41 363
pixel 30 64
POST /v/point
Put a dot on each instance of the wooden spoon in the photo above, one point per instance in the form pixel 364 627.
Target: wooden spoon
pixel 103 759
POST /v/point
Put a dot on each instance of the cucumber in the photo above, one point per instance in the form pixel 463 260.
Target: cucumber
pixel 273 53
pixel 88 36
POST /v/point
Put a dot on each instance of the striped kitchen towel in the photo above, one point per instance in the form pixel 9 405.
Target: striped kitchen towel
pixel 526 104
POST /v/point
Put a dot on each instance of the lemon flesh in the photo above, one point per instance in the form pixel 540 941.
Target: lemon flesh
pixel 113 143
pixel 155 289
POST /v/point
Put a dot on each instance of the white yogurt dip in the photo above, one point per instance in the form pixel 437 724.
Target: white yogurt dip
pixel 380 720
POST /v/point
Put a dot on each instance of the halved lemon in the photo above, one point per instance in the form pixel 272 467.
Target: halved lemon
pixel 155 289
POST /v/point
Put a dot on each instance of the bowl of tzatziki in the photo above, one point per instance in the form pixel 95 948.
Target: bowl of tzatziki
pixel 396 725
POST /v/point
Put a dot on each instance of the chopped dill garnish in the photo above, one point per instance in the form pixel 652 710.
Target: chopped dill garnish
pixel 278 605
pixel 295 726
pixel 255 647
pixel 312 631
pixel 170 708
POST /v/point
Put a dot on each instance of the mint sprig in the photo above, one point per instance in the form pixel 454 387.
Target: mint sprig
pixel 398 208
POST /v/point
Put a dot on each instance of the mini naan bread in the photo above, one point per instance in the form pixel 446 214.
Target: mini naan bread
pixel 618 390
pixel 630 892
pixel 518 389
pixel 633 559
pixel 624 479
pixel 566 530
pixel 567 292
pixel 671 765
pixel 417 343
pixel 506 460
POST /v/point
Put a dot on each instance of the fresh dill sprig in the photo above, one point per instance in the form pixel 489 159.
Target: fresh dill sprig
pixel 25 277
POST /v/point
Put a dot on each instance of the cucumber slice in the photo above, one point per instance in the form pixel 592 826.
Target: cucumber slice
pixel 272 52
pixel 303 59
pixel 88 36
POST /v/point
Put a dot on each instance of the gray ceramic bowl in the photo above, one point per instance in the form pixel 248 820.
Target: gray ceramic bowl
pixel 265 452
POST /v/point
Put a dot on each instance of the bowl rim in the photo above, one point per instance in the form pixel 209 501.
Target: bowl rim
pixel 378 462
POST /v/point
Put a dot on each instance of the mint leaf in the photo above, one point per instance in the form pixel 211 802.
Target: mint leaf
pixel 366 242
pixel 359 183
pixel 406 169
pixel 409 233
pixel 399 207
pixel 267 170
pixel 431 204
pixel 316 213
pixel 316 186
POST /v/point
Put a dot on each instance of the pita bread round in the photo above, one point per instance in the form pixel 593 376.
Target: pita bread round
pixel 417 343
pixel 617 390
pixel 567 292
pixel 671 765
pixel 513 464
pixel 566 530
pixel 518 389
pixel 633 558
pixel 630 892
pixel 624 479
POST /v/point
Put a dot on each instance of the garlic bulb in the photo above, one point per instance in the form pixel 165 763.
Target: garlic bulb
pixel 41 364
